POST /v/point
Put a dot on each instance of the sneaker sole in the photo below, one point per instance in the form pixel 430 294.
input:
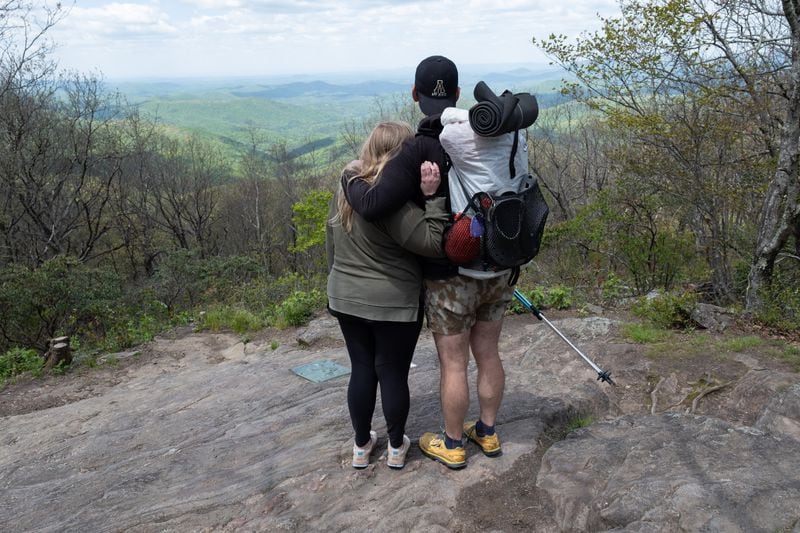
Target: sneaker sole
pixel 492 453
pixel 495 453
pixel 451 466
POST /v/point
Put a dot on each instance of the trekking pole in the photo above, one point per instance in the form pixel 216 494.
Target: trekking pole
pixel 602 375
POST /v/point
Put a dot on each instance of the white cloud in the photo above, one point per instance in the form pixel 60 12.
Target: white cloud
pixel 114 22
pixel 161 37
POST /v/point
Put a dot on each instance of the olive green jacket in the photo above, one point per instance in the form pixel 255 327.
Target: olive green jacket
pixel 373 270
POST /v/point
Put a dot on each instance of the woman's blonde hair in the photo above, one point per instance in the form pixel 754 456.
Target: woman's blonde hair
pixel 382 144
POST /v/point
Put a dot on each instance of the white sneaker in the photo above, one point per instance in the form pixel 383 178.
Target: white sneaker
pixel 361 455
pixel 396 457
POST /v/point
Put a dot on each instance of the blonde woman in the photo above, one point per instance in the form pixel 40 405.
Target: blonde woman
pixel 374 289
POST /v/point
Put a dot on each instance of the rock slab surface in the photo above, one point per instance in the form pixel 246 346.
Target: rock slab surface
pixel 216 435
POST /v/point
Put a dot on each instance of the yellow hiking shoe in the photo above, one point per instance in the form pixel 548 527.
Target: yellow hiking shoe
pixel 433 446
pixel 489 444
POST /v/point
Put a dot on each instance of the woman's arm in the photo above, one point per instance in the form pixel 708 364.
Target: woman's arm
pixel 420 231
pixel 399 183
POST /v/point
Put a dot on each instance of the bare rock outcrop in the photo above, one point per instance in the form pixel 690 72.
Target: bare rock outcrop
pixel 673 472
pixel 782 415
pixel 207 433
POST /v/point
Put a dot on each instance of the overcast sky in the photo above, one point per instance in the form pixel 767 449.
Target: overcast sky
pixel 160 38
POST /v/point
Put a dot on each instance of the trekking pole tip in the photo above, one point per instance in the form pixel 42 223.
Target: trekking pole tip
pixel 605 375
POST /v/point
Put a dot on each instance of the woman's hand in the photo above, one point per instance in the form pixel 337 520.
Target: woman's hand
pixel 430 178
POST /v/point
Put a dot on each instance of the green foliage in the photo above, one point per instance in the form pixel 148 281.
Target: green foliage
pixel 309 217
pixel 88 360
pixel 780 307
pixel 297 308
pixel 612 289
pixel 223 115
pixel 579 422
pixel 230 318
pixel 261 294
pixel 184 279
pixel 17 361
pixel 61 297
pixel 134 326
pixel 791 354
pixel 627 51
pixel 622 231
pixel 274 345
pixel 644 333
pixel 667 310
pixel 536 296
pixel 559 297
pixel 741 344
pixel 674 163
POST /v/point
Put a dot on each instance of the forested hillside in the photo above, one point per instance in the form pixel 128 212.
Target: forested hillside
pixel 672 165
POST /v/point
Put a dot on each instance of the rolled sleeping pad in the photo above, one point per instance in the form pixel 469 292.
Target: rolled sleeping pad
pixel 495 115
pixel 528 108
pixel 490 114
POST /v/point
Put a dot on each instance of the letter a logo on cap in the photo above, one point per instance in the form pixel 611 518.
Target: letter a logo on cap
pixel 439 90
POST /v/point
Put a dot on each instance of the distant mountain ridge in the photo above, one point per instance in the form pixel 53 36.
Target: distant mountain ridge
pixel 320 89
pixel 309 113
pixel 360 85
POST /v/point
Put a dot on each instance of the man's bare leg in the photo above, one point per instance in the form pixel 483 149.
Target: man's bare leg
pixel 484 339
pixel 453 386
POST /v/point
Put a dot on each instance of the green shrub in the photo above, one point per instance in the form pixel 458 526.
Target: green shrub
pixel 297 308
pixel 667 310
pixel 612 289
pixel 230 318
pixel 781 301
pixel 60 297
pixel 309 217
pixel 263 294
pixel 17 361
pixel 183 280
pixel 559 297
pixel 243 321
pixel 579 422
pixel 625 230
pixel 536 296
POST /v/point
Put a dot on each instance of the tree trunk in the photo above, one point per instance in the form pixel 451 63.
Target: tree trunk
pixel 58 354
pixel 781 208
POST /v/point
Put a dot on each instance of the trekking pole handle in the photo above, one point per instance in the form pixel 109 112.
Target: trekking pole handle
pixel 527 304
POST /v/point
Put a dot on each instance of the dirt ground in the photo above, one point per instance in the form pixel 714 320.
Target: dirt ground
pixel 687 359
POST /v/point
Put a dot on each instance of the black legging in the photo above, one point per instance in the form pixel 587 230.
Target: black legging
pixel 380 352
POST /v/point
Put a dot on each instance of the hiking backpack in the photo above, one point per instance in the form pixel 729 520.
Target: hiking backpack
pixel 500 230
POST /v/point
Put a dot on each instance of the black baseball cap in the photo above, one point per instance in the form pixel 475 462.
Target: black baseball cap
pixel 436 82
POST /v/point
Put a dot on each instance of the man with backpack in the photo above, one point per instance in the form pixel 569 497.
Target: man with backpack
pixel 463 312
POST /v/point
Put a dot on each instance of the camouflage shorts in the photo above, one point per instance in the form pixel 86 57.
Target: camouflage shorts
pixel 453 305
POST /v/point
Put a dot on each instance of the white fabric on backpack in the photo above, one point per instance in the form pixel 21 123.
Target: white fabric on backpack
pixel 479 164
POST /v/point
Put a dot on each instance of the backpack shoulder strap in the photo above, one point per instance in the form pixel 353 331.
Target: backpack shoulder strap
pixel 514 145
